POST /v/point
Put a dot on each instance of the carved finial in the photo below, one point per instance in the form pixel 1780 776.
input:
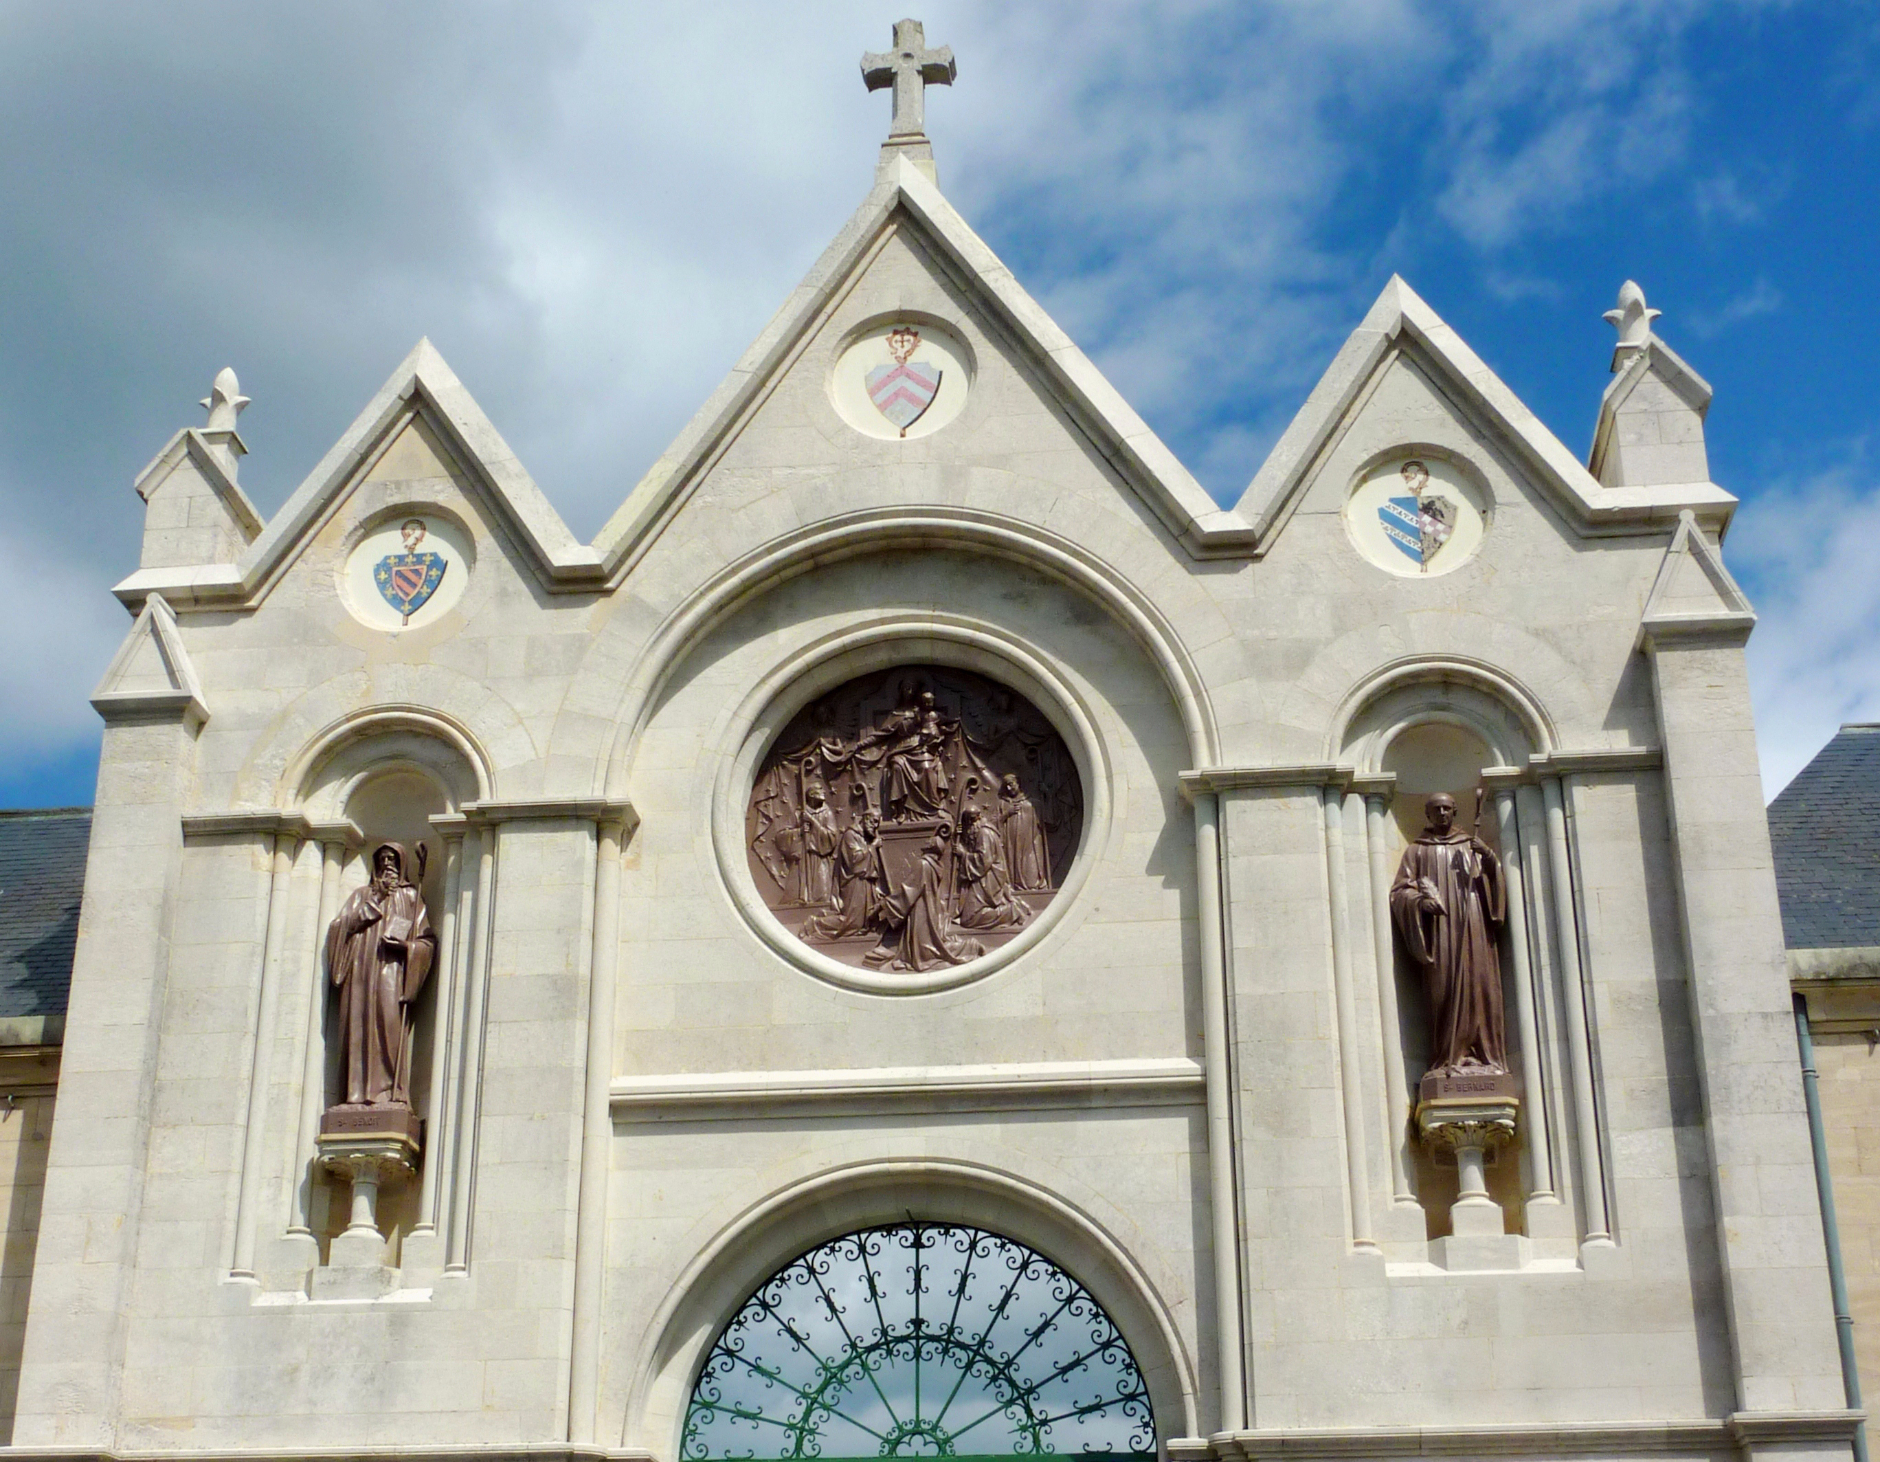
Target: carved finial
pixel 910 68
pixel 224 401
pixel 1633 320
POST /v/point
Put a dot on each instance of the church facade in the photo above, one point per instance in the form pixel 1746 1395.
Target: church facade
pixel 932 937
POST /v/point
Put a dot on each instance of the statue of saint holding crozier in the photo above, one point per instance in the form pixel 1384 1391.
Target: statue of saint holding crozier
pixel 379 950
pixel 1448 904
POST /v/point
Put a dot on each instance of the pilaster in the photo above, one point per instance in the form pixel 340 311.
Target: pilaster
pixel 1768 1225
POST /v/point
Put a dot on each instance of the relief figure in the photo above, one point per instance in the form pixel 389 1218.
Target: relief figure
pixel 1448 903
pixel 379 950
pixel 1027 858
pixel 816 841
pixel 914 784
pixel 986 900
pixel 923 913
pixel 861 885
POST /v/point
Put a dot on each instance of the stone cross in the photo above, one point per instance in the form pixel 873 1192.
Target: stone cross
pixel 909 68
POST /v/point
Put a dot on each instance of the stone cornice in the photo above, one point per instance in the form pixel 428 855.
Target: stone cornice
pixel 766 1095
pixel 1616 1438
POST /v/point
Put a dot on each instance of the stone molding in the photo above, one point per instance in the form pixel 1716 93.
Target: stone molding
pixel 851 534
pixel 1722 616
pixel 511 1452
pixel 242 822
pixel 1398 321
pixel 121 698
pixel 1031 1086
pixel 1743 1429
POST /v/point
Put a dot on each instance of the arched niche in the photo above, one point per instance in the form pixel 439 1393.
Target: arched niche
pixel 1437 728
pixel 388 775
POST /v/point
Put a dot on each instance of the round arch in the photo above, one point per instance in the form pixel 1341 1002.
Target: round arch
pixel 747 1253
pixel 1488 703
pixel 857 534
pixel 322 776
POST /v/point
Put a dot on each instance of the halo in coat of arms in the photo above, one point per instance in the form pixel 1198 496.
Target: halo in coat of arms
pixel 1418 516
pixel 903 391
pixel 407 580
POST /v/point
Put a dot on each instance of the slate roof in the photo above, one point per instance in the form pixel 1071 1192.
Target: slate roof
pixel 42 875
pixel 1825 827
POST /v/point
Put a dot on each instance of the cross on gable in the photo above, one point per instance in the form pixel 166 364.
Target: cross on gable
pixel 909 68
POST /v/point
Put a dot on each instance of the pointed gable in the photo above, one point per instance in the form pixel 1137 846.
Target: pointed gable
pixel 151 673
pixel 906 198
pixel 1694 593
pixel 1401 325
pixel 422 388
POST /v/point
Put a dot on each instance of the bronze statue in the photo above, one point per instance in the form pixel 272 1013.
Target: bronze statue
pixel 1448 904
pixel 923 795
pixel 379 950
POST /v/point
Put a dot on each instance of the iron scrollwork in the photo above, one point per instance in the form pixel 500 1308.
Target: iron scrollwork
pixel 919 1340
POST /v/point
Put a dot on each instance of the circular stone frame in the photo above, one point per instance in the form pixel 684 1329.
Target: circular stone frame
pixel 815 670
pixel 865 347
pixel 353 575
pixel 1377 479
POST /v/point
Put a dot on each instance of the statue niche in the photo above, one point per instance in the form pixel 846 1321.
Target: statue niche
pixel 913 820
pixel 379 952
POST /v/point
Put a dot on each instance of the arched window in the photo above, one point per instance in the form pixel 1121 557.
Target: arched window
pixel 919 1340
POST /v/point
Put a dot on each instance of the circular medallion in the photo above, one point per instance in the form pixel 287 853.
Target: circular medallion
pixel 1416 516
pixel 902 379
pixel 913 819
pixel 407 572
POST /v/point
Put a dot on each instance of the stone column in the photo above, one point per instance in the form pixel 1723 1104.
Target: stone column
pixel 1223 1189
pixel 597 1130
pixel 1768 1223
pixel 1573 1012
pixel 423 1246
pixel 1345 1005
pixel 1377 794
pixel 313 1053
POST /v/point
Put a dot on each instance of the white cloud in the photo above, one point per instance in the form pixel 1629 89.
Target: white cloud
pixel 592 209
pixel 1761 298
pixel 1806 551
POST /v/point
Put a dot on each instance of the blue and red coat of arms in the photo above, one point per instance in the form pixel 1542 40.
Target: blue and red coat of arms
pixel 903 391
pixel 407 580
pixel 1421 523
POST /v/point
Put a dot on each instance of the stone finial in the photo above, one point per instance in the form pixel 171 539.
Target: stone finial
pixel 1633 320
pixel 224 401
pixel 910 68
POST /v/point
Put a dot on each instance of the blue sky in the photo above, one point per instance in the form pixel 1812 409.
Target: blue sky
pixel 591 209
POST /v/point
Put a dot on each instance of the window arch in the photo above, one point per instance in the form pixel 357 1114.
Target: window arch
pixel 919 1339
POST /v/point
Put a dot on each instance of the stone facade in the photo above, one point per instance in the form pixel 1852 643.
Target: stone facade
pixel 1185 1081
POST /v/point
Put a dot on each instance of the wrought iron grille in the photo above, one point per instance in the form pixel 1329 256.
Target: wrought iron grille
pixel 919 1340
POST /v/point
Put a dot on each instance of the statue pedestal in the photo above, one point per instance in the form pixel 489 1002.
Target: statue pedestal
pixel 1472 1116
pixel 371 1147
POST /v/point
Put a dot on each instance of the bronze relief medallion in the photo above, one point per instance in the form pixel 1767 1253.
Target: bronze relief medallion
pixel 913 819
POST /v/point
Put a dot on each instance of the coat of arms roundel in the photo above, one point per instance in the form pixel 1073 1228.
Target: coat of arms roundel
pixel 902 379
pixel 903 389
pixel 914 819
pixel 407 580
pixel 408 571
pixel 1417 516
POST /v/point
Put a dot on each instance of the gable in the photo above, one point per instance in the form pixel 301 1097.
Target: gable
pixel 1400 324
